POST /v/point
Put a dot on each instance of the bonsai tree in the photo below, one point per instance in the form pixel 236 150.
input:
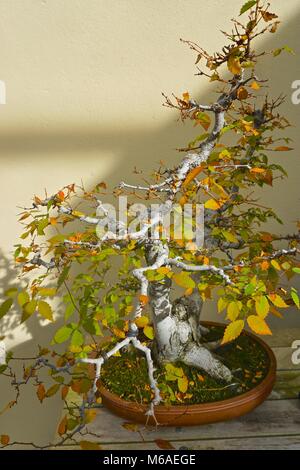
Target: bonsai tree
pixel 73 242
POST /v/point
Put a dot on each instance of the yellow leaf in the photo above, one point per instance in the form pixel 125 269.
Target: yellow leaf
pixel 131 427
pixel 222 303
pixel 234 65
pixel 149 332
pixel 87 445
pixel 163 270
pixel 141 322
pixel 118 333
pixel 233 310
pixel 183 384
pixel 255 86
pixel 258 325
pixel 90 415
pixel 277 301
pixel 189 291
pixel 212 204
pixel 186 96
pixel 275 264
pixel 184 280
pixel 232 331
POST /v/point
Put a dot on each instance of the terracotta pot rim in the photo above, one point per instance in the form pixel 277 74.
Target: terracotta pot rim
pixel 257 392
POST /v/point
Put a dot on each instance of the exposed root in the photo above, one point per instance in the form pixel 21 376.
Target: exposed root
pixel 202 358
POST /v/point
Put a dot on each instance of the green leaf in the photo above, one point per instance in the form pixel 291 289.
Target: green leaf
pixel 69 311
pixel 12 292
pixel 203 119
pixel 23 298
pixel 63 334
pixel 28 310
pixel 3 368
pixel 5 307
pixel 249 289
pixel 45 310
pixel 77 338
pixel 230 237
pixel 296 270
pixel 41 226
pixel 247 6
pixel 262 306
pixel 295 297
pixel 52 390
pixel 63 276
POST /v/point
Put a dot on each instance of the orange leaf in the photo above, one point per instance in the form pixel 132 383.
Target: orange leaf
pixel 4 439
pixel 265 265
pixel 163 444
pixel 266 237
pixel 283 148
pixel 41 392
pixel 62 427
pixel 255 86
pixel 257 170
pixel 242 93
pixel 61 195
pixel 186 96
pixel 258 325
pixel 53 220
pixel 144 299
pixel 64 392
pixel 192 175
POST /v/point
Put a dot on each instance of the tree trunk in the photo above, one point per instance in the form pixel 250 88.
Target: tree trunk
pixel 177 327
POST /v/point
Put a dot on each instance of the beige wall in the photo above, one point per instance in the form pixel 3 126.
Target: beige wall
pixel 83 81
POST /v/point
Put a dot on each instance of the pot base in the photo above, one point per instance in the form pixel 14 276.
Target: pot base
pixel 203 413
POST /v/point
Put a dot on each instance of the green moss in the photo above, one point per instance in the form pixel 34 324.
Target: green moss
pixel 127 375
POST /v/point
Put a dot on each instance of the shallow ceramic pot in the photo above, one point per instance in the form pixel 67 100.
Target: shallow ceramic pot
pixel 187 415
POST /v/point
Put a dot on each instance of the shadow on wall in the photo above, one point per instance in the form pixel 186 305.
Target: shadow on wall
pixel 36 422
